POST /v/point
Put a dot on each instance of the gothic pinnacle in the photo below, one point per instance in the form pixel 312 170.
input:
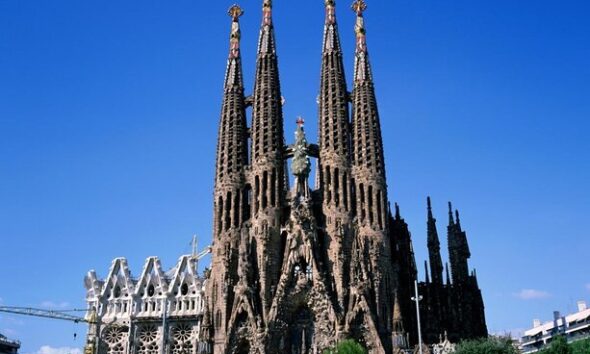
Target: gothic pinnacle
pixel 330 13
pixel 429 207
pixel 235 12
pixel 267 12
pixel 451 220
pixel 359 7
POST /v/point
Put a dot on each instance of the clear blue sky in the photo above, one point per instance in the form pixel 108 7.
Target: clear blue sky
pixel 108 123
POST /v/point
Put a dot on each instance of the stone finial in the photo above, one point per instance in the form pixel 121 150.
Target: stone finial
pixel 235 12
pixel 267 12
pixel 330 11
pixel 359 6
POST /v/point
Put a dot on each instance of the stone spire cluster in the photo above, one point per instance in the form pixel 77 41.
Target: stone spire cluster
pixel 296 269
pixel 453 307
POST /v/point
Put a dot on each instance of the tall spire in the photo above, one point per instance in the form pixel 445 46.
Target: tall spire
pixel 232 146
pixel 333 126
pixel 362 68
pixel 266 42
pixel 368 170
pixel 436 267
pixel 233 75
pixel 267 113
pixel 334 165
pixel 458 249
pixel 448 277
pixel 267 170
pixel 367 141
pixel 426 276
pixel 230 204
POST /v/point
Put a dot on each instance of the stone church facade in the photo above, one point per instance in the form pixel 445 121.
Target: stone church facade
pixel 296 269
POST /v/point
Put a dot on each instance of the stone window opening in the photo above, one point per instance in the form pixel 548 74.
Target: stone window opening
pixel 273 183
pixel 236 216
pixel 117 292
pixel 247 206
pixel 328 184
pixel 380 208
pixel 370 195
pixel 219 214
pixel 264 189
pixel 218 319
pixel 362 206
pixel 227 219
pixel 256 194
pixel 344 191
pixel 151 290
pixel 337 186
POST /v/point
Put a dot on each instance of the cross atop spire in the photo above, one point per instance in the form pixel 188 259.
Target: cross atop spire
pixel 300 121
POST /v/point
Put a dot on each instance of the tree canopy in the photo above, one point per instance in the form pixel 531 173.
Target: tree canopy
pixel 348 346
pixel 491 345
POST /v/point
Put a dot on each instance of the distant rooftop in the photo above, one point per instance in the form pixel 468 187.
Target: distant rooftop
pixel 574 326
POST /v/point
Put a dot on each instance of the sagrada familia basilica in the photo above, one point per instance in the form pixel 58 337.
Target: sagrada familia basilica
pixel 295 269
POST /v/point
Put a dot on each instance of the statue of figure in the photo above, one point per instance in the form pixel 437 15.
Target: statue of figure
pixel 301 165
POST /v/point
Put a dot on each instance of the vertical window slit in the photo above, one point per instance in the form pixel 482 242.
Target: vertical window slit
pixel 370 207
pixel 379 210
pixel 362 206
pixel 256 194
pixel 264 189
pixel 219 214
pixel 344 192
pixel 228 211
pixel 273 188
pixel 337 187
pixel 237 208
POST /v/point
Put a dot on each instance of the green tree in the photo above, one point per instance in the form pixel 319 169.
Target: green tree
pixel 558 346
pixel 491 345
pixel 581 347
pixel 348 346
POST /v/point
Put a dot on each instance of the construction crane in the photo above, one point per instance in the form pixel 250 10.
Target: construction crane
pixel 59 315
pixel 52 314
